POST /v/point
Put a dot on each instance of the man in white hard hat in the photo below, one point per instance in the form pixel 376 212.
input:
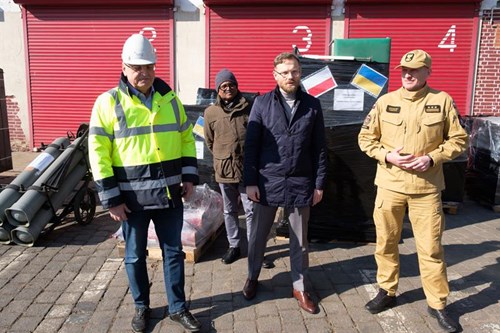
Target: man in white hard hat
pixel 411 132
pixel 143 159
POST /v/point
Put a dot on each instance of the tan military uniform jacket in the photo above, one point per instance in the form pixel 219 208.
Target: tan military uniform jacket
pixel 424 122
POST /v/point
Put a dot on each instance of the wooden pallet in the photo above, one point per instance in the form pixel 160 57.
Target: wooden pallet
pixel 451 207
pixel 193 254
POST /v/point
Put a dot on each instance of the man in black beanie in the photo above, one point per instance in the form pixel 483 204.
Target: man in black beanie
pixel 225 125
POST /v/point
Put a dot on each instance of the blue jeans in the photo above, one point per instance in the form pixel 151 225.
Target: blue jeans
pixel 168 226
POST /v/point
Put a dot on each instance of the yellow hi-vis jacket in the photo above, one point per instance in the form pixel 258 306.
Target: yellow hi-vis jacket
pixel 423 122
pixel 140 156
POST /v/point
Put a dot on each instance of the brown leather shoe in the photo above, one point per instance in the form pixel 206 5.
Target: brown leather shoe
pixel 305 301
pixel 250 289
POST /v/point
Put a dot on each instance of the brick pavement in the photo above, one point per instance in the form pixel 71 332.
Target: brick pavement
pixel 73 280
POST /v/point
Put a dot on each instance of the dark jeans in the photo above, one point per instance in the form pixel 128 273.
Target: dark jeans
pixel 168 225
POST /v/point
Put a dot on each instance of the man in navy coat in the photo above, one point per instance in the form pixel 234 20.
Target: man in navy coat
pixel 284 166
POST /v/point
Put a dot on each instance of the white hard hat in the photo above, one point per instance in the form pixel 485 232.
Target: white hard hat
pixel 138 50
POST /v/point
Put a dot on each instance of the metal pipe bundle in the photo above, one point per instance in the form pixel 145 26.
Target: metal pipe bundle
pixel 12 192
pixel 30 174
pixel 5 233
pixel 22 212
pixel 27 234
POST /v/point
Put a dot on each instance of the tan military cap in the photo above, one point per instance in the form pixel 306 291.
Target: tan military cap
pixel 416 59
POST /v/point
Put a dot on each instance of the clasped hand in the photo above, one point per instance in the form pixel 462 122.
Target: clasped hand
pixel 408 161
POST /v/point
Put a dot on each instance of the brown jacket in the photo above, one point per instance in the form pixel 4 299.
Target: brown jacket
pixel 225 130
pixel 424 122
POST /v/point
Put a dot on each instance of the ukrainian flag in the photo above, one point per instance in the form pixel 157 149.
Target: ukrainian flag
pixel 369 80
pixel 198 127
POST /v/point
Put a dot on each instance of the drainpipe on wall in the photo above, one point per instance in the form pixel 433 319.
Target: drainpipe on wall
pixel 478 49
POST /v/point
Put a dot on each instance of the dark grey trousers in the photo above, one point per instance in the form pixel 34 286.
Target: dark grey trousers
pixel 263 218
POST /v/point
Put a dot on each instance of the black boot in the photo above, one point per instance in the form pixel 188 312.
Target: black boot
pixel 381 302
pixel 141 319
pixel 448 324
pixel 232 254
pixel 187 320
pixel 267 263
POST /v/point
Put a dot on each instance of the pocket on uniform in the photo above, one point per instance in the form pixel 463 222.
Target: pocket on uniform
pixel 433 128
pixel 392 125
pixel 379 202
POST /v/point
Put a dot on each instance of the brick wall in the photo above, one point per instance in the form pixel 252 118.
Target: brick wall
pixel 18 140
pixel 487 96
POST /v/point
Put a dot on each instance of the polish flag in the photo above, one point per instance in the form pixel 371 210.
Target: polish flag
pixel 319 82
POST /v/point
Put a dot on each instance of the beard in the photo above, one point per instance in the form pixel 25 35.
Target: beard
pixel 289 87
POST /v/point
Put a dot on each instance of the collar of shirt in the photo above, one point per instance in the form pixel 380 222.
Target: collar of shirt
pixel 415 95
pixel 146 100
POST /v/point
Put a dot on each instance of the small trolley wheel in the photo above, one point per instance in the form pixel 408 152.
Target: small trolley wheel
pixel 84 205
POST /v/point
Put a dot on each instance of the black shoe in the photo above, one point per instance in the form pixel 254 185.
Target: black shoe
pixel 267 263
pixel 186 319
pixel 250 289
pixel 232 254
pixel 141 319
pixel 381 302
pixel 448 324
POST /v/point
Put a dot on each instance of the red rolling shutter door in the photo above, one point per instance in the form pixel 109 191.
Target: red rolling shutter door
pixel 246 39
pixel 74 55
pixel 448 31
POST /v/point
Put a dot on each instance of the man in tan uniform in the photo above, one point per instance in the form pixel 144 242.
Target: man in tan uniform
pixel 411 132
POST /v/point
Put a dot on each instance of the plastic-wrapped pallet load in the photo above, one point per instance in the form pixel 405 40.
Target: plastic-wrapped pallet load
pixel 483 169
pixel 345 213
pixel 454 179
pixel 203 218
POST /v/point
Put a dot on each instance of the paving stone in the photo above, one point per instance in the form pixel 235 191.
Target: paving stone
pixel 243 326
pixel 7 318
pixel 28 293
pixel 49 325
pixel 268 324
pixel 26 324
pixel 266 309
pixel 68 297
pixel 293 327
pixel 320 325
pixel 100 321
pixel 37 310
pixel 59 311
pixel 223 322
pixel 69 327
pixel 245 314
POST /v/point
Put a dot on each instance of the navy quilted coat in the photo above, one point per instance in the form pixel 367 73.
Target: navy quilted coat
pixel 287 160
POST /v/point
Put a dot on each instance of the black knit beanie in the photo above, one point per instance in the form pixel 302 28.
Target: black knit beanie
pixel 223 76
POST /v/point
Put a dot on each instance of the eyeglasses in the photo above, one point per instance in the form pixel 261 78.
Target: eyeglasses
pixel 286 74
pixel 226 86
pixel 140 68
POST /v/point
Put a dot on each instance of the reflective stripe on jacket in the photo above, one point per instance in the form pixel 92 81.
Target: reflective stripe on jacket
pixel 424 122
pixel 140 156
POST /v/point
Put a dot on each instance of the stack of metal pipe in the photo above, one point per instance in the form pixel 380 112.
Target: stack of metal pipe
pixel 33 198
